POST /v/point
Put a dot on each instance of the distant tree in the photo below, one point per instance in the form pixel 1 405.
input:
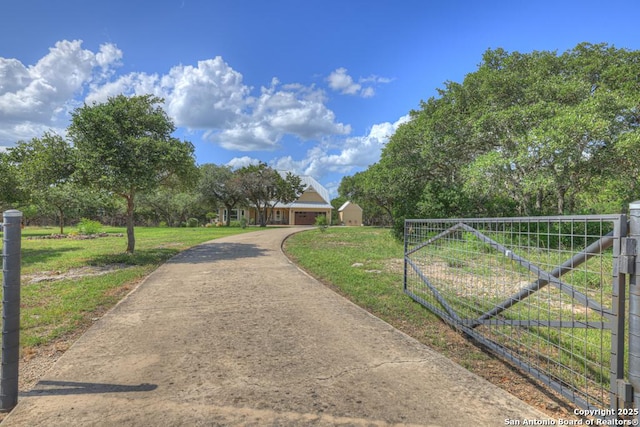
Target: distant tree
pixel 9 185
pixel 173 205
pixel 337 204
pixel 264 187
pixel 125 146
pixel 220 186
pixel 45 171
pixel 360 189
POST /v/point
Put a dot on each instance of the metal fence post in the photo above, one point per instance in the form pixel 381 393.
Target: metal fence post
pixel 12 231
pixel 634 307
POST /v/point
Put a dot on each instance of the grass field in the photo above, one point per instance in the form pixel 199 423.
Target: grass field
pixel 62 291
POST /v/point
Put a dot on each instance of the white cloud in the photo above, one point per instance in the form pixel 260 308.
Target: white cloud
pixel 212 97
pixel 287 163
pixel 293 109
pixel 246 137
pixel 207 96
pixel 354 152
pixel 342 82
pixel 108 56
pixel 239 162
pixel 129 84
pixel 38 97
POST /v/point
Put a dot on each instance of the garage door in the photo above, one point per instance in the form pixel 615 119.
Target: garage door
pixel 306 218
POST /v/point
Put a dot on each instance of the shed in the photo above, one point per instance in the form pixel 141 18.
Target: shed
pixel 350 214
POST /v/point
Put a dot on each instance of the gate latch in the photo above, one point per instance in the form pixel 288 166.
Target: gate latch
pixel 625 392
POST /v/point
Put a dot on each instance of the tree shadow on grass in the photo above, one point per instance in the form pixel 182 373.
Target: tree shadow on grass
pixel 207 252
pixel 33 256
pixel 213 251
pixel 139 257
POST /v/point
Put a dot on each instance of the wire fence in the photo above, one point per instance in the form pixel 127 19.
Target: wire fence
pixel 541 292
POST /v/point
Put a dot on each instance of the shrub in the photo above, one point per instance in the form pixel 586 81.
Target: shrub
pixel 192 222
pixel 321 223
pixel 88 226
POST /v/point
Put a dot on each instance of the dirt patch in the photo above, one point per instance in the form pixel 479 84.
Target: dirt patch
pixel 74 273
pixel 75 236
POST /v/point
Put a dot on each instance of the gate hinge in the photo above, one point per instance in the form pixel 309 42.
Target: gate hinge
pixel 627 258
pixel 625 391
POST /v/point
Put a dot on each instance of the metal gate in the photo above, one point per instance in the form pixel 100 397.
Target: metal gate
pixel 545 293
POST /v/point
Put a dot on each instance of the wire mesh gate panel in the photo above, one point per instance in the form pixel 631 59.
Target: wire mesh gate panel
pixel 541 292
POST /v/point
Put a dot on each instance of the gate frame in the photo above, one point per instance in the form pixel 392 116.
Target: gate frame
pixel 625 263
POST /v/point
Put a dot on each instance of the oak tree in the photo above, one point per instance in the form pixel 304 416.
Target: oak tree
pixel 126 147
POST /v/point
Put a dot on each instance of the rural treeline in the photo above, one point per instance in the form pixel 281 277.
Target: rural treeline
pixel 119 164
pixel 525 134
pixel 539 133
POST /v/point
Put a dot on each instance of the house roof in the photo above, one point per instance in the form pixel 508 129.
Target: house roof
pixel 309 182
pixel 347 203
pixel 304 205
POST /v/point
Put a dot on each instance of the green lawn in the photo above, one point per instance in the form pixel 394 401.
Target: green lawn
pixel 53 309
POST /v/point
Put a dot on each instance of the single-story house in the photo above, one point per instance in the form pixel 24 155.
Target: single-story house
pixel 350 214
pixel 314 201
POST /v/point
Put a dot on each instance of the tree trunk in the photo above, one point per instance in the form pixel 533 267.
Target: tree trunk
pixel 539 197
pixel 61 221
pixel 131 240
pixel 227 223
pixel 560 194
pixel 263 217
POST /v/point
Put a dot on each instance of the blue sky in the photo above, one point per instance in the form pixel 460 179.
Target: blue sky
pixel 315 87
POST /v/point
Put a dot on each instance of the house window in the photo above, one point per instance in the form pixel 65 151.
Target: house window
pixel 236 214
pixel 278 215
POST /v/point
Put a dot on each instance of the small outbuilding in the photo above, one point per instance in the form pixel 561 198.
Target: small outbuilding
pixel 350 214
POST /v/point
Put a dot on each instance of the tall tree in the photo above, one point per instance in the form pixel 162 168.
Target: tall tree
pixel 220 185
pixel 264 187
pixel 525 133
pixel 125 146
pixel 9 184
pixel 46 167
pixel 552 120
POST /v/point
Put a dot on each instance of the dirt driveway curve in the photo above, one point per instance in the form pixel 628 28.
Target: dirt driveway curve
pixel 231 333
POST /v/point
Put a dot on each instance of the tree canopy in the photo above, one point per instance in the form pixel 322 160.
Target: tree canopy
pixel 45 173
pixel 9 185
pixel 525 134
pixel 125 147
pixel 220 185
pixel 264 187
